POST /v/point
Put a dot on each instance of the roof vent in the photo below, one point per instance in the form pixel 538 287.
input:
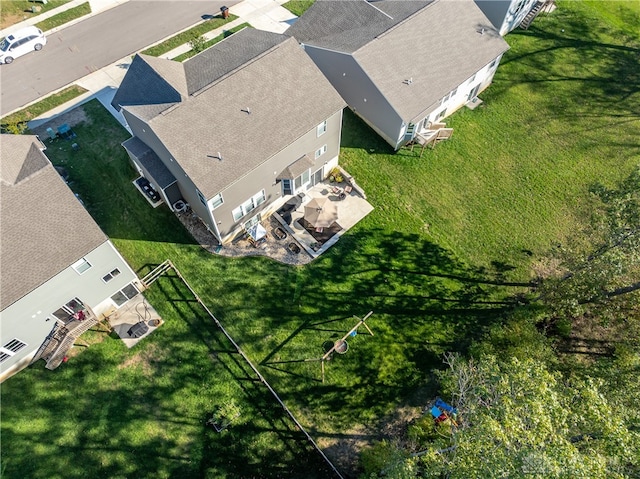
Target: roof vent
pixel 408 81
pixel 218 156
pixel 481 31
pixel 247 110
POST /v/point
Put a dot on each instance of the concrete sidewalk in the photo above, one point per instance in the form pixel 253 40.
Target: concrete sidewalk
pixel 266 15
pixel 97 6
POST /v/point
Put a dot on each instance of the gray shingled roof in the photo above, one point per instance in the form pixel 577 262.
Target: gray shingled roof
pixel 285 92
pixel 296 168
pixel 150 161
pixel 145 83
pixel 451 50
pixel 347 25
pixel 438 48
pixel 213 63
pixel 44 229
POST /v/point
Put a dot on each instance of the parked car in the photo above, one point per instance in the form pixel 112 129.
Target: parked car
pixel 21 42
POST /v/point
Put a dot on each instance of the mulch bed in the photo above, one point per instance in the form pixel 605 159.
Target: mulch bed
pixel 326 234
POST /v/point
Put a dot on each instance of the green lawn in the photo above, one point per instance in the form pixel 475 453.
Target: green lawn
pixel 188 35
pixel 298 7
pixel 18 120
pixel 213 41
pixel 438 260
pixel 15 11
pixel 64 17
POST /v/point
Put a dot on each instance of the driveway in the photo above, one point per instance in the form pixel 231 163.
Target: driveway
pixel 96 42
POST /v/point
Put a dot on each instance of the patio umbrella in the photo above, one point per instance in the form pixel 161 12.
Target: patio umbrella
pixel 321 212
pixel 257 232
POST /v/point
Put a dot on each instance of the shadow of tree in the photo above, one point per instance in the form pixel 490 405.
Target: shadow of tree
pixel 581 54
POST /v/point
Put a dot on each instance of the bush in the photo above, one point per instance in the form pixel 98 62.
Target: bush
pixel 336 175
pixel 198 44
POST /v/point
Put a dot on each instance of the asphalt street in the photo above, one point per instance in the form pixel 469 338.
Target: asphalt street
pixel 94 43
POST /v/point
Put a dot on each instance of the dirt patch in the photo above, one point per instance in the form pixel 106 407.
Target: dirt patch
pixel 72 118
pixel 147 359
pixel 590 340
pixel 344 452
pixel 272 247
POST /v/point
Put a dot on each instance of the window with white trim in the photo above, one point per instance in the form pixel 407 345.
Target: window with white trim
pixel 302 180
pixel 109 276
pixel 493 63
pixel 441 114
pixel 249 205
pixel 81 266
pixel 322 128
pixel 11 348
pixel 216 201
pixel 321 151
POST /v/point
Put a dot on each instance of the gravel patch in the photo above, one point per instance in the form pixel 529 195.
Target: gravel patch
pixel 272 247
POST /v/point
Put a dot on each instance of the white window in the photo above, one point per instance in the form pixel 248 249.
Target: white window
pixel 493 63
pixel 441 114
pixel 81 266
pixel 321 151
pixel 10 349
pixel 112 274
pixel 249 205
pixel 322 128
pixel 216 201
pixel 471 79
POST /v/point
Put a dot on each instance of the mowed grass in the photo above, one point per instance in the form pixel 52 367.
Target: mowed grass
pixel 563 112
pixel 437 261
pixel 15 11
pixel 114 412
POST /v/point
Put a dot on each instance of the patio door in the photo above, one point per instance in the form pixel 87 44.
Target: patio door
pixel 316 177
pixel 473 92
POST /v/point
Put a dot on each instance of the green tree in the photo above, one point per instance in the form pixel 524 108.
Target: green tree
pixel 519 419
pixel 597 273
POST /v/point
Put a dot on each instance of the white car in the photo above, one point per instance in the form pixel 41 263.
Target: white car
pixel 21 42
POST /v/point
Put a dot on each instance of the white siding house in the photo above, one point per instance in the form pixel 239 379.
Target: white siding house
pixel 56 262
pixel 402 65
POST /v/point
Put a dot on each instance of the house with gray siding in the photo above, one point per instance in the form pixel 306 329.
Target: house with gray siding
pixel 402 66
pixel 505 15
pixel 234 131
pixel 58 267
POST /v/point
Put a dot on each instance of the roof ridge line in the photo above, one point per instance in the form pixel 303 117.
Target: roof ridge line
pixel 244 65
pixel 372 5
pixel 402 22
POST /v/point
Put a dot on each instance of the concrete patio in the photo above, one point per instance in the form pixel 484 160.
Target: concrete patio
pixel 351 209
pixel 136 310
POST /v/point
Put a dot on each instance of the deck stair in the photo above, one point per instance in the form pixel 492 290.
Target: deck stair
pixel 62 338
pixel 531 16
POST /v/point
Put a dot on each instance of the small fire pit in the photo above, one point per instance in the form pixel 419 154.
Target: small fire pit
pixel 279 233
pixel 294 248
